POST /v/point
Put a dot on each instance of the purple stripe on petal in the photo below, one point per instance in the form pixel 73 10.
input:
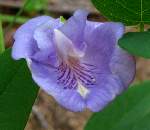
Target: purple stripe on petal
pixel 46 78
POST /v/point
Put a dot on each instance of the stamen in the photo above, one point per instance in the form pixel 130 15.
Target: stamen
pixel 83 91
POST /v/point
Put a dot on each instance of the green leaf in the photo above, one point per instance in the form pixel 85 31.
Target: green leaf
pixel 130 12
pixel 17 93
pixel 136 43
pixel 130 111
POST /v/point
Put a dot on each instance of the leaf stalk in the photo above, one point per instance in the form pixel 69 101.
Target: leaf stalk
pixel 141 27
pixel 2 45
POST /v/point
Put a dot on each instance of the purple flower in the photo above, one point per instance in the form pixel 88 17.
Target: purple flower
pixel 77 62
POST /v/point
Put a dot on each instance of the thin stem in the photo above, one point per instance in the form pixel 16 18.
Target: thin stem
pixel 45 7
pixel 17 15
pixel 9 18
pixel 2 45
pixel 141 27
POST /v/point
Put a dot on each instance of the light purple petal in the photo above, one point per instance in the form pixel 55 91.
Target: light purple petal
pixel 64 46
pixel 24 45
pixel 74 28
pixel 108 88
pixel 46 78
pixel 122 64
pixel 45 57
pixel 117 27
pixel 101 41
pixel 71 100
pixel 44 38
pixel 44 34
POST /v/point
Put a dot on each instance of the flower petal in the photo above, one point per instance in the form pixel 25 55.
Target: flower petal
pixel 106 90
pixel 74 28
pixel 64 46
pixel 46 57
pixel 46 78
pixel 123 65
pixel 101 41
pixel 117 28
pixel 44 34
pixel 24 45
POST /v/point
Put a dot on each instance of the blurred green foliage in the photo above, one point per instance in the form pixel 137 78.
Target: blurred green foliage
pixel 10 18
pixel 36 5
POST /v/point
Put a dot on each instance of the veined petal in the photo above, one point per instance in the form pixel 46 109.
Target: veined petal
pixel 107 89
pixel 122 64
pixel 101 41
pixel 46 78
pixel 24 45
pixel 73 28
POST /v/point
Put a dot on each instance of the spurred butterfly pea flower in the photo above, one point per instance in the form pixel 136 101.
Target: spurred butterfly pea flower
pixel 78 62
